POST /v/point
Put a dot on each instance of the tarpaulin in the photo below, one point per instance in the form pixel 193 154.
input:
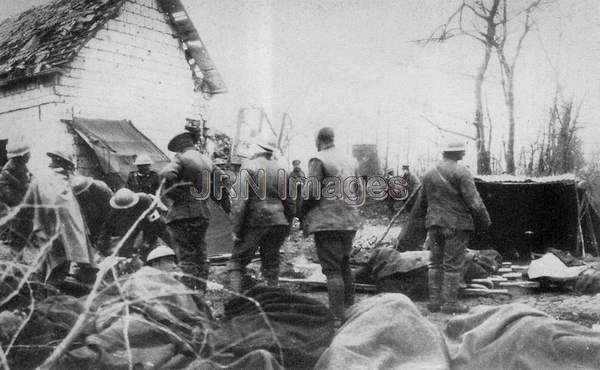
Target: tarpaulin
pixel 516 336
pixel 116 144
pixel 57 219
pixel 298 330
pixel 386 332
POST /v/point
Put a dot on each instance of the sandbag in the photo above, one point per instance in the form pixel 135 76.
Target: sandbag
pixel 516 336
pixel 298 330
pixel 386 332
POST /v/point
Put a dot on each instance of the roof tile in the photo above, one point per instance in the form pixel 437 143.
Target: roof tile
pixel 49 36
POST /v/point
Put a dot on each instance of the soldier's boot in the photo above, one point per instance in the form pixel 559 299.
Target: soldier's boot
pixel 434 285
pixel 335 291
pixel 450 294
pixel 271 276
pixel 190 274
pixel 349 289
pixel 235 281
pixel 203 272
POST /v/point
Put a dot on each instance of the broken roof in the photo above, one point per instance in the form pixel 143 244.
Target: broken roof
pixel 43 39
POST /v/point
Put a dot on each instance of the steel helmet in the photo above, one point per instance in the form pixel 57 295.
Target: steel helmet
pixel 454 145
pixel 79 184
pixel 124 198
pixel 143 159
pixel 16 148
pixel 159 252
pixel 267 143
pixel 62 156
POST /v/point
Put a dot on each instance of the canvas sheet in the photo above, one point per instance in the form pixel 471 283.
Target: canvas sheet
pixel 516 336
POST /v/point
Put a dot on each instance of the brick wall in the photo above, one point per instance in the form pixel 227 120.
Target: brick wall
pixel 134 68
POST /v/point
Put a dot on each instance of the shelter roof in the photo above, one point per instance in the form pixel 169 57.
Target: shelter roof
pixel 568 177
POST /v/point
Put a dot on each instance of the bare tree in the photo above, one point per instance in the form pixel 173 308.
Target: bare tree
pixel 507 69
pixel 557 149
pixel 484 20
pixel 488 22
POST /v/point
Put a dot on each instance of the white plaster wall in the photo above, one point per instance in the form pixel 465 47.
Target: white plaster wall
pixel 134 69
pixel 33 113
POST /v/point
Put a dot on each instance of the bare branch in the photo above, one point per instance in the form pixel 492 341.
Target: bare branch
pixel 480 15
pixel 447 130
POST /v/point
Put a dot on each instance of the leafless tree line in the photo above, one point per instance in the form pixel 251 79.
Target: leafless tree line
pixel 492 24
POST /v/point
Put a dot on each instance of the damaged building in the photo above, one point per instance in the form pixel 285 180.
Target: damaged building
pixel 102 80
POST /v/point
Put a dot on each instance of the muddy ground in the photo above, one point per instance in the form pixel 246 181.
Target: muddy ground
pixel 560 303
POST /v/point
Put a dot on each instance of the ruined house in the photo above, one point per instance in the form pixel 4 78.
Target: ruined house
pixel 102 80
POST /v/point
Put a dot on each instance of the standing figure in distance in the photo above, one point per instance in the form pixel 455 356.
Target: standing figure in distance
pixel 188 182
pixel 14 182
pixel 454 210
pixel 144 180
pixel 332 220
pixel 260 221
pixel 296 184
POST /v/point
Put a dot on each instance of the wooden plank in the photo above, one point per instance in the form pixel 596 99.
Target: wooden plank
pixel 367 288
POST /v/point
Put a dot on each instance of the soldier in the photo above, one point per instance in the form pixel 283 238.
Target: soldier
pixel 296 182
pixel 15 177
pixel 188 179
pixel 454 210
pixel 411 180
pixel 261 220
pixel 14 182
pixel 163 258
pixel 93 197
pixel 144 180
pixel 333 220
pixel 62 163
pixel 126 208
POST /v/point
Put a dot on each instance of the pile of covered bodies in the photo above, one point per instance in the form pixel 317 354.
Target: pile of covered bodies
pixel 150 320
pixel 388 332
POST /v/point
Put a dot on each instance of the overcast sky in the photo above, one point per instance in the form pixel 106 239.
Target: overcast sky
pixel 353 65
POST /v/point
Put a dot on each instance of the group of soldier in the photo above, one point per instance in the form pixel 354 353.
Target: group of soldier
pixel 449 203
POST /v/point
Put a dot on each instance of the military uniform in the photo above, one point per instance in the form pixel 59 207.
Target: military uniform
pixel 14 182
pixel 260 222
pixel 188 177
pixel 453 210
pixel 333 222
pixel 297 178
pixel 119 222
pixel 143 182
pixel 93 197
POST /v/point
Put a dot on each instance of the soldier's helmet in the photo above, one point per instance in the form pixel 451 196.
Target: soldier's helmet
pixel 79 184
pixel 454 145
pixel 267 143
pixel 62 157
pixel 16 148
pixel 123 199
pixel 142 159
pixel 159 252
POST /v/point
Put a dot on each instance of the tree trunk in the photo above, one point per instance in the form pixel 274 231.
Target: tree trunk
pixel 483 155
pixel 510 143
